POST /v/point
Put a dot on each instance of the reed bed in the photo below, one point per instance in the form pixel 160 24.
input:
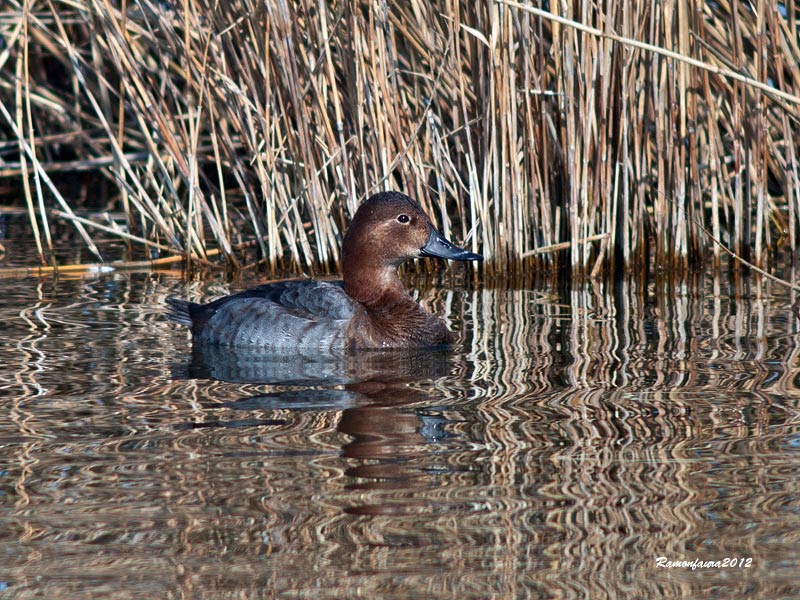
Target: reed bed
pixel 596 137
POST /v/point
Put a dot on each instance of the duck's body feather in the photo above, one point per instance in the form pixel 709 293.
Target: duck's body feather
pixel 303 314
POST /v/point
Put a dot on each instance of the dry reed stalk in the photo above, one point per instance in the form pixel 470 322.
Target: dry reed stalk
pixel 21 68
pixel 519 129
pixel 165 264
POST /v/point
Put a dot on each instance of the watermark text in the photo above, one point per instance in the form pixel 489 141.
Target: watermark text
pixel 662 562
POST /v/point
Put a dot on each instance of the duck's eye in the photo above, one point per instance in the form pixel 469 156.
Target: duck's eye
pixel 403 219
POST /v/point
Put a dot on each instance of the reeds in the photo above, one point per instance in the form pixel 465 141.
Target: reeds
pixel 535 142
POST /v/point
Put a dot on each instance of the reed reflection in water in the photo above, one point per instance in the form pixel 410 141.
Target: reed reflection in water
pixel 568 441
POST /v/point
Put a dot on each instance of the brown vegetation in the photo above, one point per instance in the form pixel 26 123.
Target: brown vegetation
pixel 528 139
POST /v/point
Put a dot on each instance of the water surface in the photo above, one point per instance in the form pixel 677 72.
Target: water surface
pixel 569 441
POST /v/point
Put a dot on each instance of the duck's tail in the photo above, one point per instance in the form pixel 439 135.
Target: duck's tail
pixel 179 311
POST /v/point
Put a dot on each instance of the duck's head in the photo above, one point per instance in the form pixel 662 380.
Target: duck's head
pixel 390 228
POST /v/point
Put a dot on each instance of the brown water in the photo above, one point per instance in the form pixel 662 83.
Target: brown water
pixel 568 442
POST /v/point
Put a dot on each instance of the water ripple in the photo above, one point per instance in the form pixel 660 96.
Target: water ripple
pixel 569 441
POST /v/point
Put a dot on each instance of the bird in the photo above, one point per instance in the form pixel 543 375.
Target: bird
pixel 368 309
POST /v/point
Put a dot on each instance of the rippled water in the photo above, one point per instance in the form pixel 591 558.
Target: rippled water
pixel 569 441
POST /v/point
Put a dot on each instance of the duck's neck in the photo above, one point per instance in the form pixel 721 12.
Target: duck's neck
pixel 375 286
pixel 391 316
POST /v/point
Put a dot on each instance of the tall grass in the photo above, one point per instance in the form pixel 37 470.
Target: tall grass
pixel 530 139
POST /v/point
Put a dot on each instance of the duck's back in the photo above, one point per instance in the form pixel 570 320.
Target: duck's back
pixel 276 317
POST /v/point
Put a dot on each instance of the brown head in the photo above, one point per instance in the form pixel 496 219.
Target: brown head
pixel 388 229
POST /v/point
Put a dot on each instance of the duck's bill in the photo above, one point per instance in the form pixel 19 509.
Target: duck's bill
pixel 440 247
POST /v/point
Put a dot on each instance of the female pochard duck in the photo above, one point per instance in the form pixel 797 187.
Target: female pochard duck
pixel 369 309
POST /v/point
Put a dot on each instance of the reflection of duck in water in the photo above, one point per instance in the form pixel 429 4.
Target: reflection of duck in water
pixel 393 420
pixel 369 309
pixel 253 365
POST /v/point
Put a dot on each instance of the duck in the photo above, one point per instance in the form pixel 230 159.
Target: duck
pixel 369 308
